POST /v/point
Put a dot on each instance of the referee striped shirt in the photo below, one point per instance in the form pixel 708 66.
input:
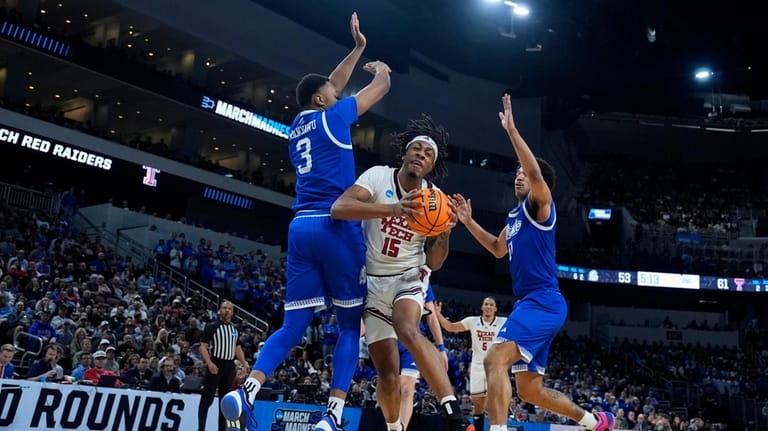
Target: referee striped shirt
pixel 222 338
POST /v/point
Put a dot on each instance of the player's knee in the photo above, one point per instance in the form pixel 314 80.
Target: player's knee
pixel 388 381
pixel 406 332
pixel 406 392
pixel 529 393
pixel 493 363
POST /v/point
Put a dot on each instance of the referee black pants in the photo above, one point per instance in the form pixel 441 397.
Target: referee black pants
pixel 212 382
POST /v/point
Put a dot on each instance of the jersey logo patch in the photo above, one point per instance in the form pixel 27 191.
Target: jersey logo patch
pixel 389 193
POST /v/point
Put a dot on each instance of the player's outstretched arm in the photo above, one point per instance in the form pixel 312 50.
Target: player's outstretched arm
pixel 340 75
pixel 445 323
pixel 540 196
pixel 496 245
pixel 375 91
pixel 354 204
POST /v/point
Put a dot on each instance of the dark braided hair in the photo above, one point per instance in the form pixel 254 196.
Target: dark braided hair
pixel 425 126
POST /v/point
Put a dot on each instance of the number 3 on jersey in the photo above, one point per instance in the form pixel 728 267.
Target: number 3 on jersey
pixel 304 146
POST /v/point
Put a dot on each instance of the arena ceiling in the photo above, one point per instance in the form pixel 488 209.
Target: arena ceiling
pixel 629 55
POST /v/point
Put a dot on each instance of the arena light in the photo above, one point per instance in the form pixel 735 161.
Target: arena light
pixel 521 11
pixel 703 74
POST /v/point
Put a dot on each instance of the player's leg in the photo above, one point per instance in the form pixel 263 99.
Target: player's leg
pixel 478 390
pixel 382 347
pixel 344 279
pixel 532 344
pixel 531 389
pixel 303 294
pixel 408 377
pixel 500 358
pixel 387 362
pixel 406 312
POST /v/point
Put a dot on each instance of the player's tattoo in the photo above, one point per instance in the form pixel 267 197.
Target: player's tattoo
pixel 555 395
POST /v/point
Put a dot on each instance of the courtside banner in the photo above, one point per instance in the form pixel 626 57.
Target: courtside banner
pixel 26 405
pixel 277 416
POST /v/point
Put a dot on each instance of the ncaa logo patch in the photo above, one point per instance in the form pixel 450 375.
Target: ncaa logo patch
pixel 389 193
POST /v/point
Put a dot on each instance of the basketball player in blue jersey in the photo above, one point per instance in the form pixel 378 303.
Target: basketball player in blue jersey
pixel 326 257
pixel 398 263
pixel 409 374
pixel 523 342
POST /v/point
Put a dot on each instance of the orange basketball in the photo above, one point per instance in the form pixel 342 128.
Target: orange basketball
pixel 435 214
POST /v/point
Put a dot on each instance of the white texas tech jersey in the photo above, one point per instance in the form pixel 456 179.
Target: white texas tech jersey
pixel 483 334
pixel 391 246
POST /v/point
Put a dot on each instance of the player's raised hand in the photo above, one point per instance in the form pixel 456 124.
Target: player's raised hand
pixel 376 66
pixel 462 207
pixel 507 120
pixel 354 25
pixel 409 205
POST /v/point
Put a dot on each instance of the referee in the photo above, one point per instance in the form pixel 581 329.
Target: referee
pixel 224 342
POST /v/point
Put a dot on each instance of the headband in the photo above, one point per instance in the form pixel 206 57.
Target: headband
pixel 425 139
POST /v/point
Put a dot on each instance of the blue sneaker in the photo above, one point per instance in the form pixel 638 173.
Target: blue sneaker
pixel 327 423
pixel 605 421
pixel 234 403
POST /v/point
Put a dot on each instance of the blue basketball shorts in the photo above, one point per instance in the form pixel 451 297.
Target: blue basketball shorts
pixel 325 262
pixel 407 363
pixel 535 321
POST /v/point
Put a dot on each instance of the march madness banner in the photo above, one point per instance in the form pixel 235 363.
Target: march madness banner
pixel 278 416
pixel 27 405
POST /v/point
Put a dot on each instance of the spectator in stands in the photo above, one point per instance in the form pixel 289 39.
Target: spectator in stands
pixel 5 308
pixel 140 375
pixel 47 367
pixel 362 371
pixel 111 363
pixel 193 381
pixel 15 321
pixel 65 335
pixel 45 303
pixel 642 424
pixel 330 336
pixel 94 374
pixel 621 420
pixel 6 366
pixel 85 348
pixel 166 380
pixel 84 364
pixel 42 327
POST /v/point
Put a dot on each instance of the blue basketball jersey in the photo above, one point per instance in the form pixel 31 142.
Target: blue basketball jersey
pixel 320 148
pixel 531 248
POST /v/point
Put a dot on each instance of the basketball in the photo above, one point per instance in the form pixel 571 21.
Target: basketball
pixel 435 214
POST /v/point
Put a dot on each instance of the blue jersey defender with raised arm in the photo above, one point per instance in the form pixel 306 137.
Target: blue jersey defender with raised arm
pixel 326 257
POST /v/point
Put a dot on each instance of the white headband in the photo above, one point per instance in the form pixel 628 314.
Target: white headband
pixel 425 139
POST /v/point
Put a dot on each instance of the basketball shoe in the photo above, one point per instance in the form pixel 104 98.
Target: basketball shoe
pixel 605 421
pixel 234 403
pixel 327 423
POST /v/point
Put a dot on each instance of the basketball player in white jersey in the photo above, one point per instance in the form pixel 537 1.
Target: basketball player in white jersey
pixel 398 267
pixel 483 330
